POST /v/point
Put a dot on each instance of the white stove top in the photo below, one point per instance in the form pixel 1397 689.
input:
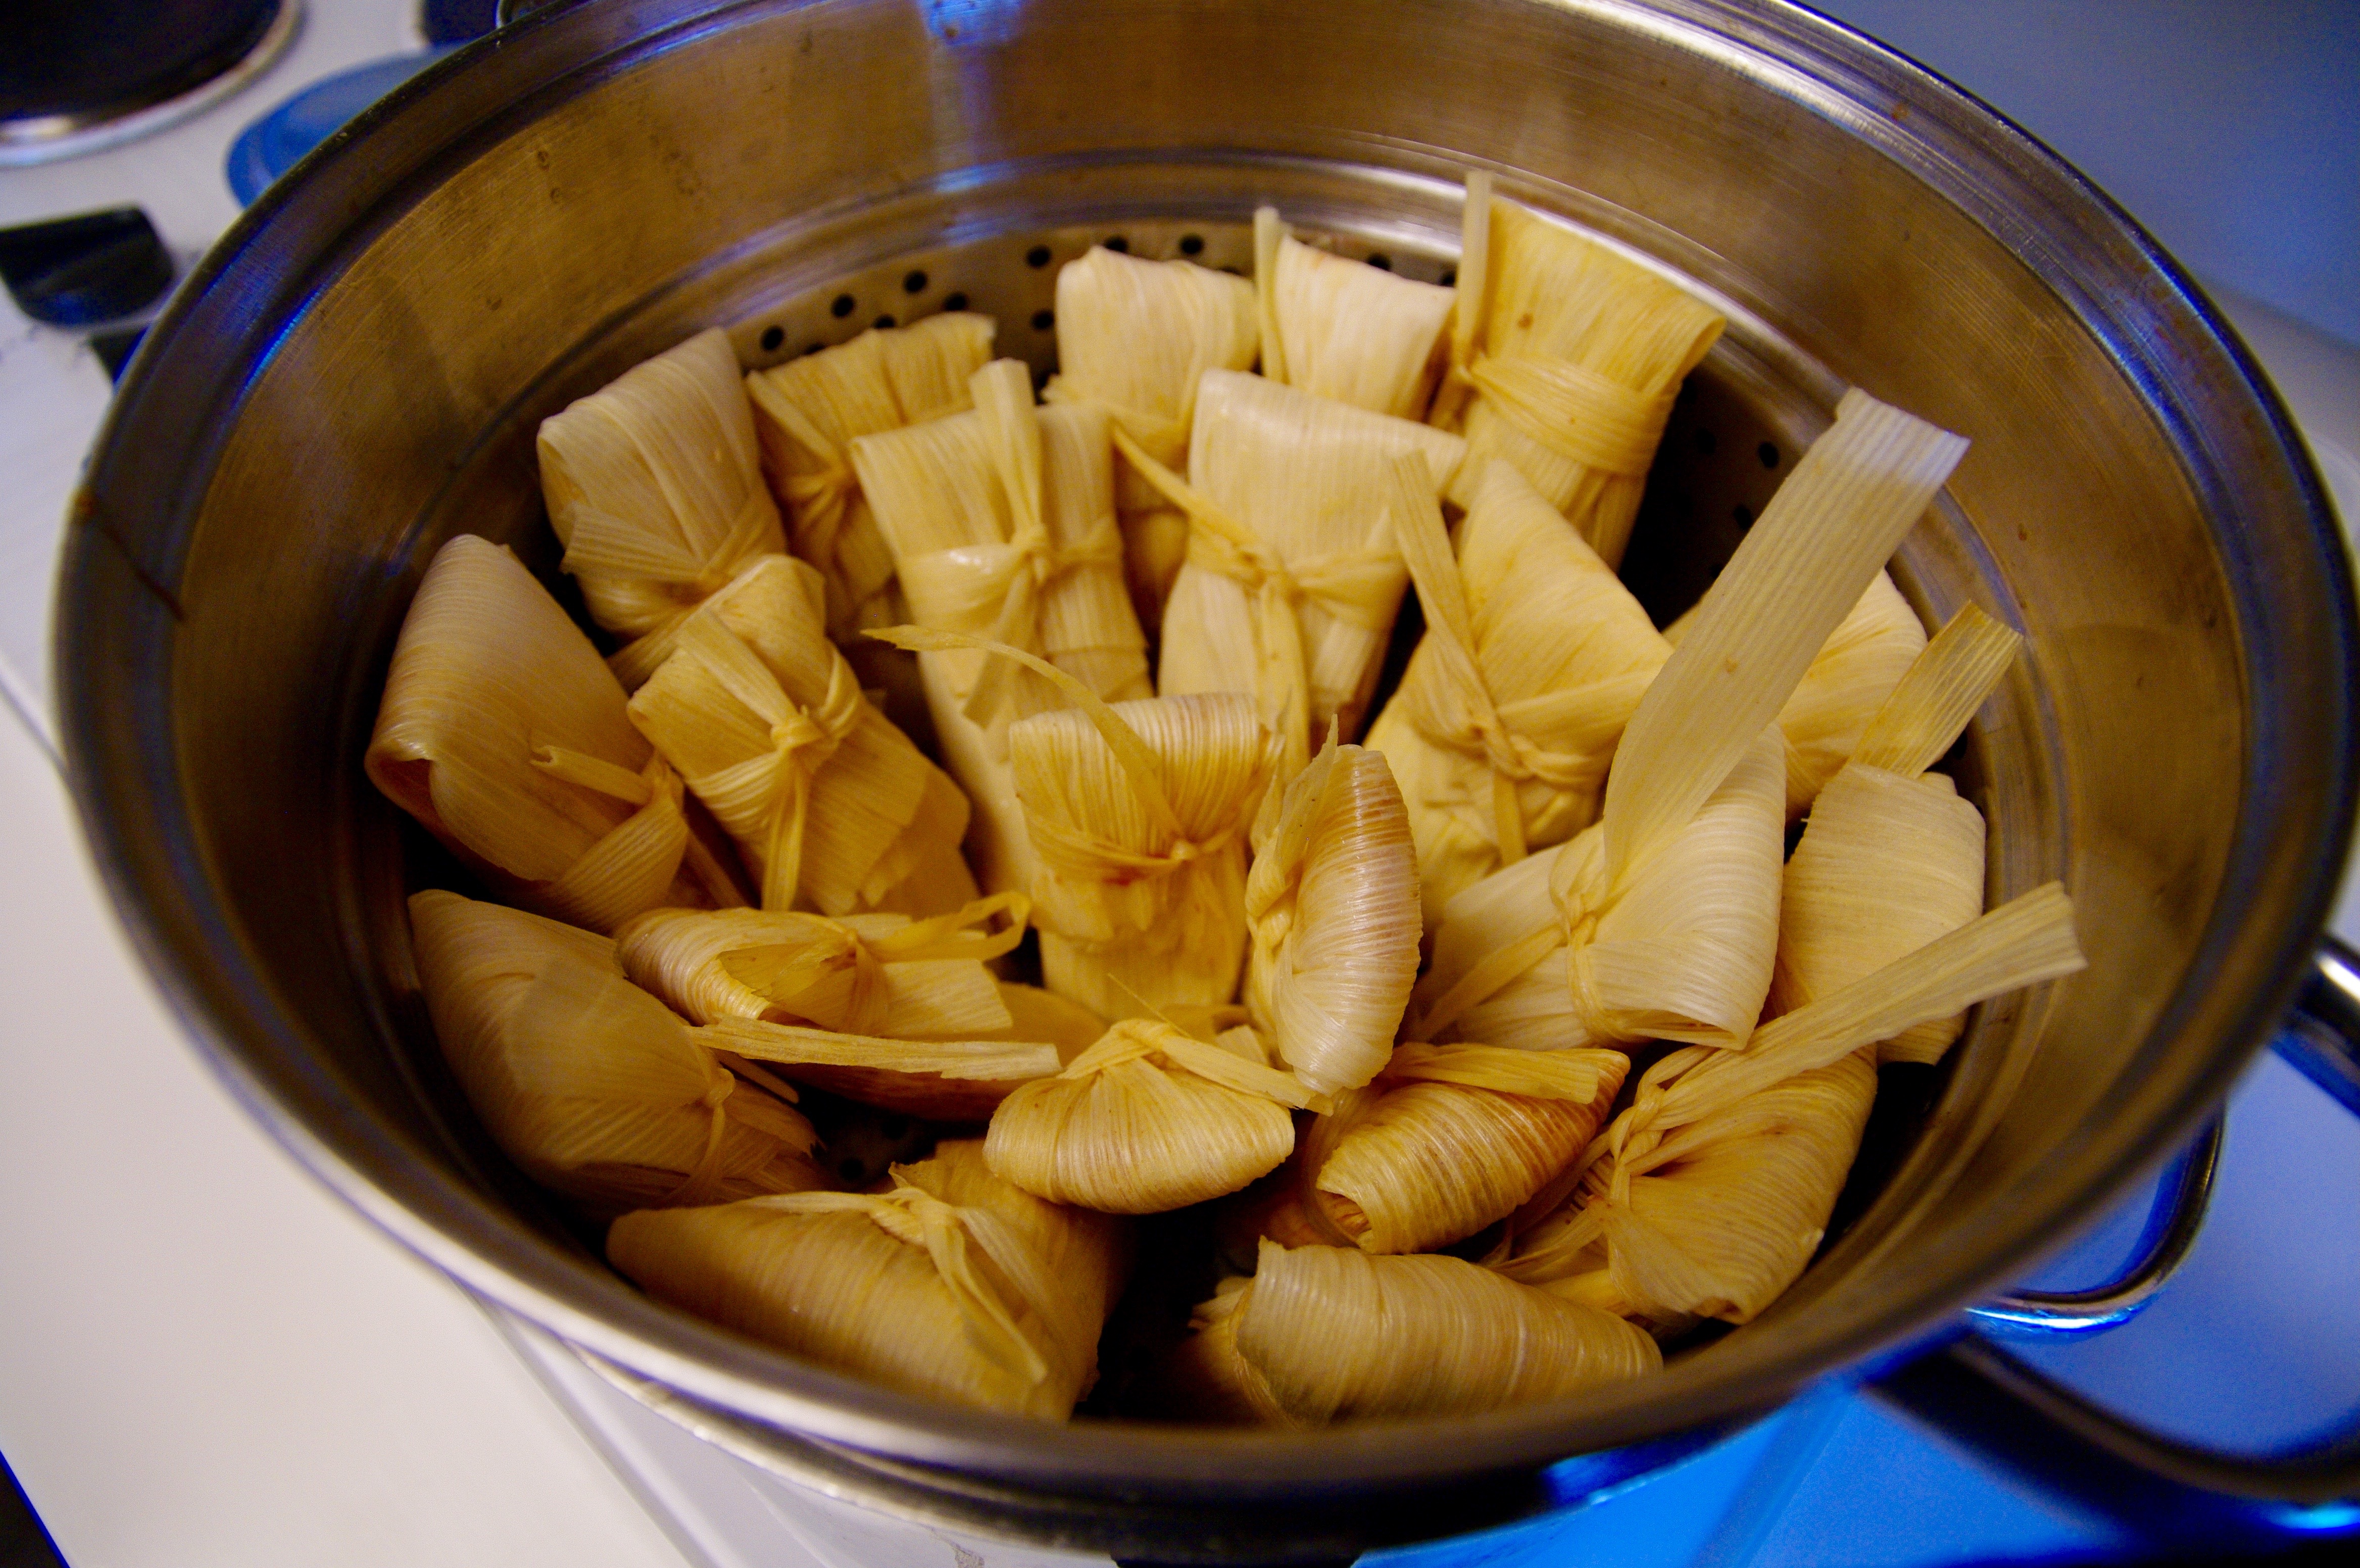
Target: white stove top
pixel 204 1357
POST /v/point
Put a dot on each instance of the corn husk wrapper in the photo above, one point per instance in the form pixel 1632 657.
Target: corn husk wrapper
pixel 1038 1013
pixel 1331 903
pixel 830 804
pixel 1460 1137
pixel 1001 524
pixel 1204 1378
pixel 937 1080
pixel 1852 673
pixel 806 413
pixel 1134 339
pixel 1564 359
pixel 654 485
pixel 1746 1151
pixel 1555 956
pixel 963 1300
pixel 1148 1120
pixel 592 1086
pixel 1534 657
pixel 1345 330
pixel 503 733
pixel 1894 859
pixel 1293 576
pixel 1328 1333
pixel 864 974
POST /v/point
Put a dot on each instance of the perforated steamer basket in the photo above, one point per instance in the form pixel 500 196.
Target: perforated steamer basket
pixel 356 372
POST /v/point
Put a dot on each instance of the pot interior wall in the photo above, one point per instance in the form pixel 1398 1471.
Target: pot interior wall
pixel 527 224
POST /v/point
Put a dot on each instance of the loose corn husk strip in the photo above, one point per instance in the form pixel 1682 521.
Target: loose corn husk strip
pixel 1718 1237
pixel 1137 813
pixel 1571 355
pixel 1293 576
pixel 592 1086
pixel 1534 657
pixel 1332 904
pixel 1134 339
pixel 1684 950
pixel 504 733
pixel 1334 1334
pixel 1346 330
pixel 954 1300
pixel 808 410
pixel 1001 523
pixel 1145 1121
pixel 1807 561
pixel 865 974
pixel 831 805
pixel 654 485
pixel 939 1080
pixel 1894 858
pixel 1460 1137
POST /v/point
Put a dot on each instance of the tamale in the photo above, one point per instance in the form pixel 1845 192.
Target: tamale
pixel 865 974
pixel 1329 1333
pixel 1571 355
pixel 1001 523
pixel 1460 1137
pixel 1293 575
pixel 1134 339
pixel 1331 903
pixel 1743 1152
pixel 1853 673
pixel 592 1086
pixel 806 413
pixel 1345 330
pixel 1534 658
pixel 503 733
pixel 654 485
pixel 1148 1120
pixel 1894 859
pixel 972 1300
pixel 830 804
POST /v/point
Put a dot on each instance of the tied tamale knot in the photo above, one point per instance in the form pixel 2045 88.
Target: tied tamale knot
pixel 703 1181
pixel 1575 412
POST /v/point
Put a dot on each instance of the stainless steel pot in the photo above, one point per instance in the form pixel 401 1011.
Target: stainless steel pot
pixel 356 371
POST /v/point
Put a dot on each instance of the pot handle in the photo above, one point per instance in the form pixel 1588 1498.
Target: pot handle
pixel 1977 1391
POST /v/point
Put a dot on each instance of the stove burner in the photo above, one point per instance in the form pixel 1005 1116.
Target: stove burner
pixel 76 75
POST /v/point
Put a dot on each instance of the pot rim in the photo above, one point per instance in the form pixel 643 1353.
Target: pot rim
pixel 371 169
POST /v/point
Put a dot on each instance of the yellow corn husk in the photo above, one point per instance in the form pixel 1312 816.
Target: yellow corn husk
pixel 1329 1333
pixel 1001 524
pixel 1683 951
pixel 1145 1121
pixel 1345 330
pixel 1748 1150
pixel 939 1080
pixel 1036 1014
pixel 865 974
pixel 654 485
pixel 1893 858
pixel 806 413
pixel 1534 657
pixel 1294 575
pixel 1332 906
pixel 591 1085
pixel 1461 1137
pixel 1134 339
pixel 1571 357
pixel 1087 1254
pixel 831 805
pixel 964 1301
pixel 503 733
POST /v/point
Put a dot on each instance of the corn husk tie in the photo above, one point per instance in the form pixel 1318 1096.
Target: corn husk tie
pixel 1361 588
pixel 1332 906
pixel 630 867
pixel 654 485
pixel 1460 1137
pixel 801 742
pixel 850 966
pixel 1148 1120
